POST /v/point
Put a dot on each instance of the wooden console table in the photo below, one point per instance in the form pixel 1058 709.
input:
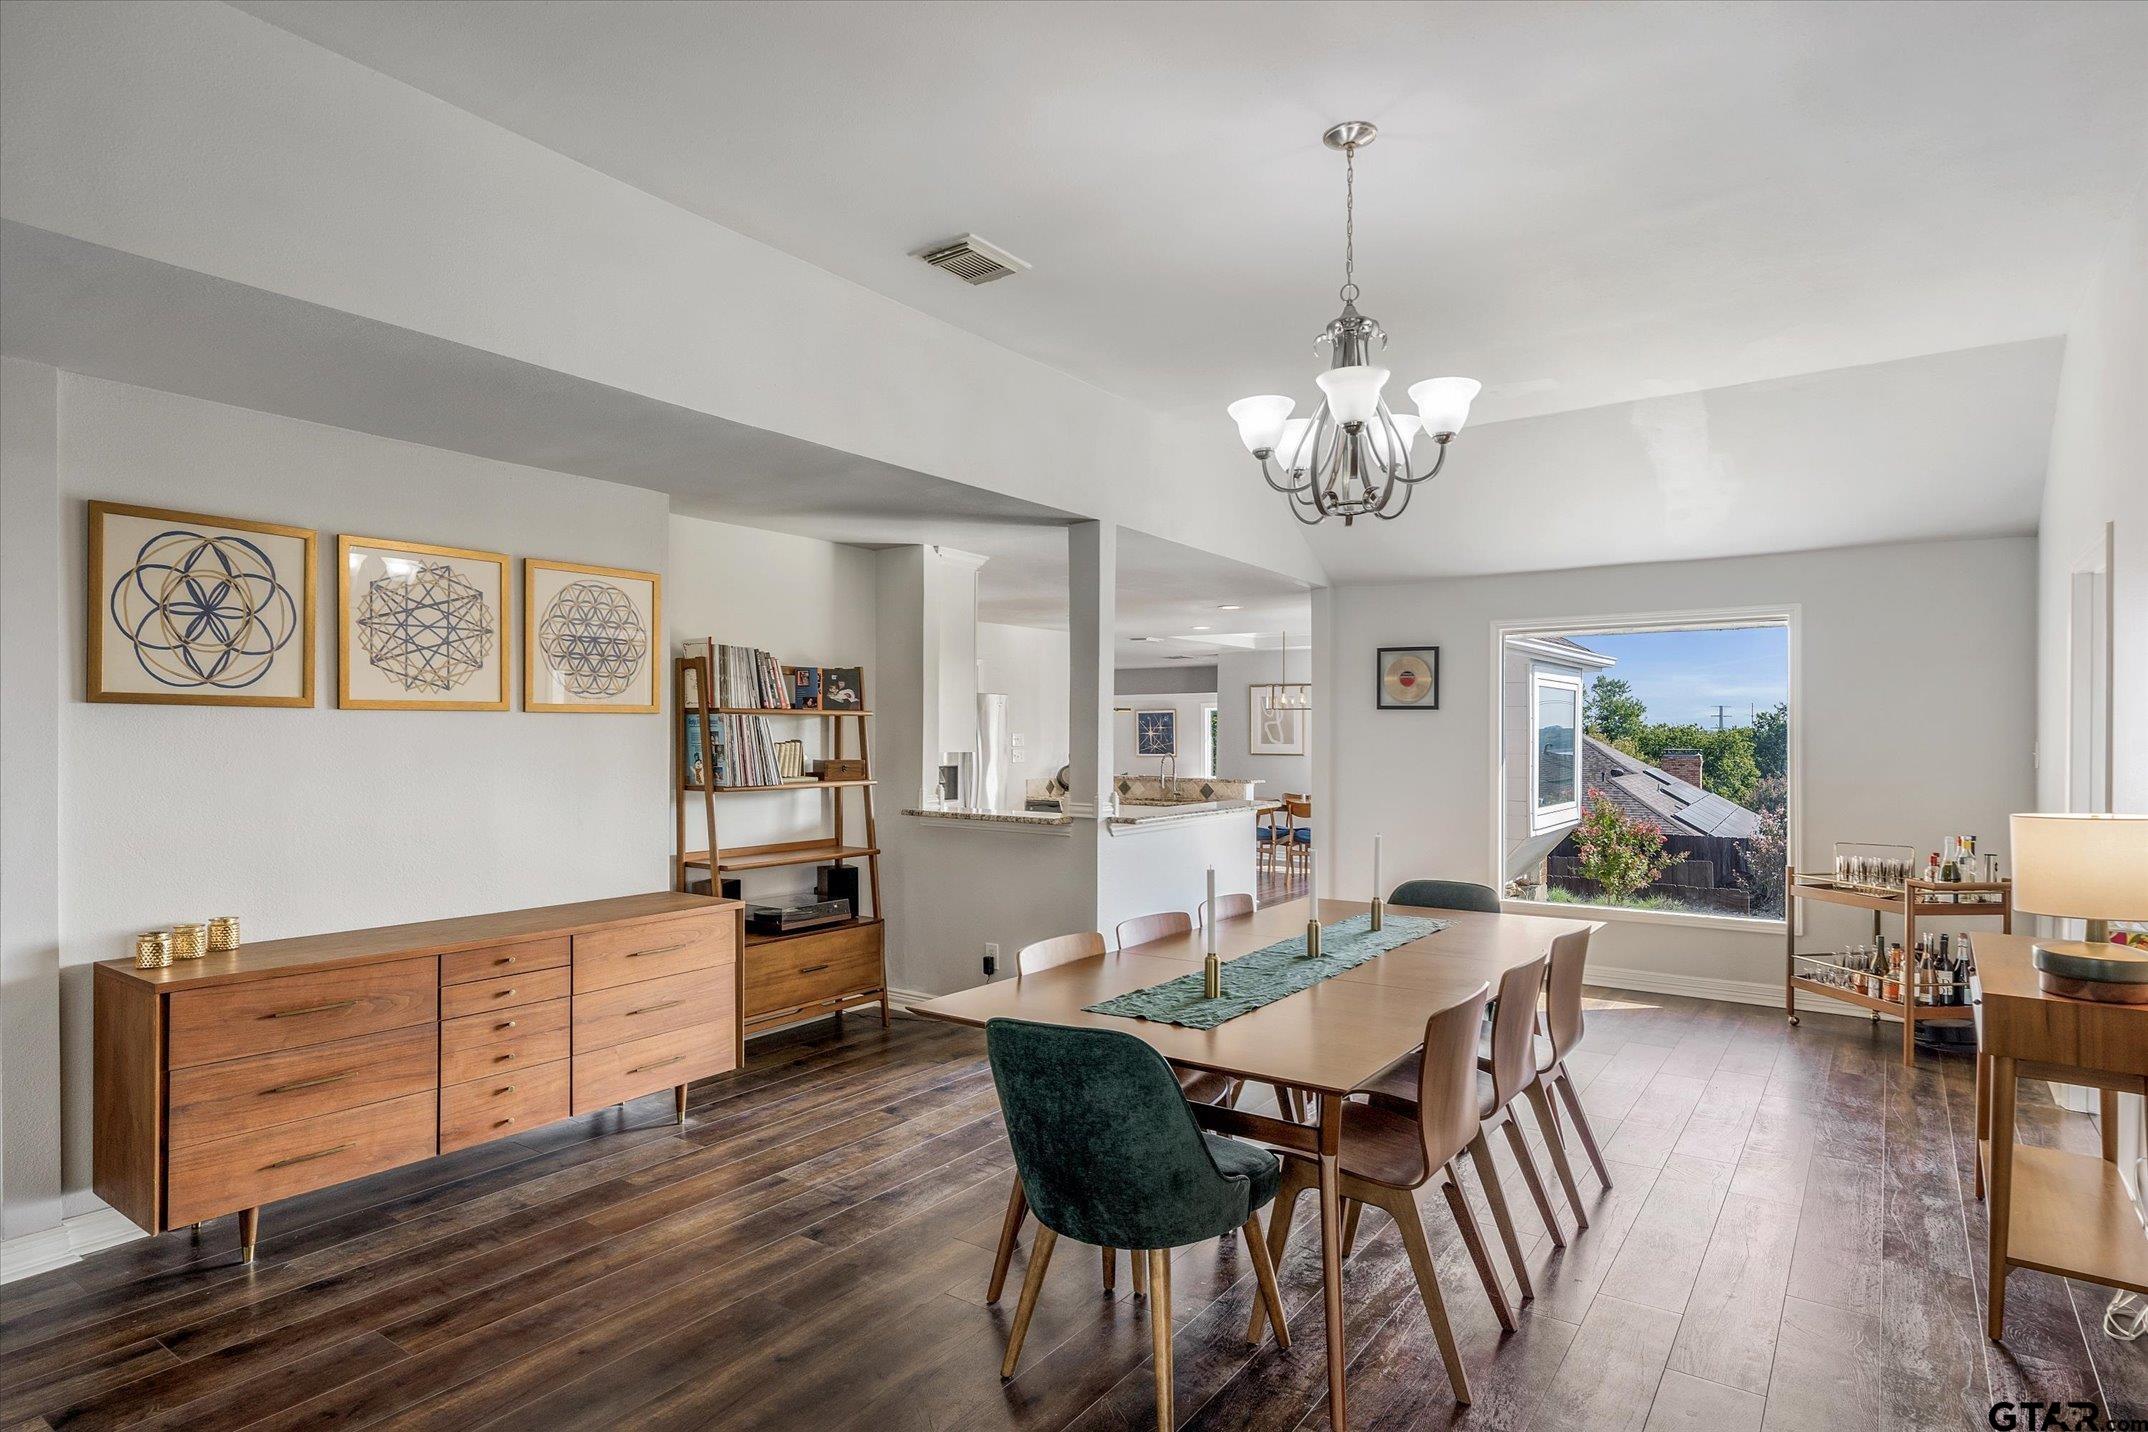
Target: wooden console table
pixel 1917 900
pixel 2062 1213
pixel 230 1081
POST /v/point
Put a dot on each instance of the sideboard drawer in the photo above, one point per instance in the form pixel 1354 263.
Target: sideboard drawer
pixel 483 1044
pixel 643 1066
pixel 502 1104
pixel 633 953
pixel 791 974
pixel 499 992
pixel 469 965
pixel 214 1178
pixel 291 1011
pixel 240 1096
pixel 636 1011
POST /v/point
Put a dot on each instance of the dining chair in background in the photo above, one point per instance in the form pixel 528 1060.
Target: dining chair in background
pixel 1446 895
pixel 1301 836
pixel 1108 1153
pixel 1229 907
pixel 1161 926
pixel 1563 1024
pixel 1389 1151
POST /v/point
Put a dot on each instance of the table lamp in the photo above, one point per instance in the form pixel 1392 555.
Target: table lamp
pixel 2090 867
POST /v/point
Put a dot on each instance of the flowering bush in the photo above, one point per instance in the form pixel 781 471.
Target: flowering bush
pixel 1619 853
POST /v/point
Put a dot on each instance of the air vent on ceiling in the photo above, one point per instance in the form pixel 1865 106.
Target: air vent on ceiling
pixel 972 259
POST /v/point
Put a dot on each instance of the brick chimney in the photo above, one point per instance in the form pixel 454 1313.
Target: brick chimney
pixel 1685 764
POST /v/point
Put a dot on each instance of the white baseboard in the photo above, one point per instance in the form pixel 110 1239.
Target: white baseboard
pixel 70 1241
pixel 902 999
pixel 1767 993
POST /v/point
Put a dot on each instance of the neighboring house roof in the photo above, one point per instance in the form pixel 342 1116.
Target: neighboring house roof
pixel 1652 793
pixel 1562 650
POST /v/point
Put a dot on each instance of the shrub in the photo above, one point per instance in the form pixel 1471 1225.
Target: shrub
pixel 1619 853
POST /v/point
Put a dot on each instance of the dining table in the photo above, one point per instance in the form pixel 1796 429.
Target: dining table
pixel 1327 1041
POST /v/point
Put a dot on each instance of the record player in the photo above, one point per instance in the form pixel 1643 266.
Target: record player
pixel 788 914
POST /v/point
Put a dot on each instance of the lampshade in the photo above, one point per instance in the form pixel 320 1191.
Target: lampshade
pixel 1376 433
pixel 1289 454
pixel 1443 403
pixel 1353 392
pixel 1260 420
pixel 2090 867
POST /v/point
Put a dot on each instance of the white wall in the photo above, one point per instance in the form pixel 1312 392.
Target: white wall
pixel 1900 740
pixel 808 602
pixel 1235 673
pixel 1144 871
pixel 306 820
pixel 1029 666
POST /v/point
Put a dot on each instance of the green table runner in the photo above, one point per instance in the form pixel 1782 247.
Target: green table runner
pixel 1268 974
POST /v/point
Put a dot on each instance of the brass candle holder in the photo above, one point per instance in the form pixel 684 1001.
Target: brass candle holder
pixel 1212 977
pixel 1312 939
pixel 224 934
pixel 190 941
pixel 1379 912
pixel 153 950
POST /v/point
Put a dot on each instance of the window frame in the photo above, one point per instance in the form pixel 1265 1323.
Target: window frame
pixel 1789 615
pixel 1544 817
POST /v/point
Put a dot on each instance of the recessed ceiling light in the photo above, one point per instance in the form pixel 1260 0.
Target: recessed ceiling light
pixel 1141 638
pixel 1230 607
pixel 1200 628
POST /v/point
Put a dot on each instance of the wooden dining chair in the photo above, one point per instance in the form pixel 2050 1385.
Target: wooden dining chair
pixel 1501 1079
pixel 1446 895
pixel 1108 1153
pixel 1229 907
pixel 1563 1028
pixel 1301 836
pixel 1199 1085
pixel 1161 926
pixel 1389 1152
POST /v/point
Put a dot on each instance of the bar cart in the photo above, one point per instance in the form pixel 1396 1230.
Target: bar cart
pixel 1912 900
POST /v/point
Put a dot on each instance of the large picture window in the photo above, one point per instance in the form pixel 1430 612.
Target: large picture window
pixel 1645 764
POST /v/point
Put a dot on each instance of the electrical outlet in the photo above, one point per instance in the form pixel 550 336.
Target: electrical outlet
pixel 991 961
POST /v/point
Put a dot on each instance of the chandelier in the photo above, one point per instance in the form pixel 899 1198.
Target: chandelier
pixel 1352 457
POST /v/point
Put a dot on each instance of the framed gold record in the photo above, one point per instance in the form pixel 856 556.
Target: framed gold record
pixel 1408 678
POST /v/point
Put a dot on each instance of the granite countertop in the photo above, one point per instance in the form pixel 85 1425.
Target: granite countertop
pixel 1162 814
pixel 1045 819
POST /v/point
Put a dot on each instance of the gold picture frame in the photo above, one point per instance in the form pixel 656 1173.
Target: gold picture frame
pixel 244 624
pixel 465 634
pixel 579 639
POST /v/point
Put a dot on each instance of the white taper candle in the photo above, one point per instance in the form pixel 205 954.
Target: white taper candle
pixel 1211 910
pixel 1312 881
pixel 1376 869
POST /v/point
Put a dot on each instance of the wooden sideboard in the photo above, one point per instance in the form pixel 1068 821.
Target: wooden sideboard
pixel 228 1082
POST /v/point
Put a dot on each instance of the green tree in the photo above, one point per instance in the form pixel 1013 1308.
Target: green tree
pixel 1611 712
pixel 1729 767
pixel 1619 853
pixel 1771 741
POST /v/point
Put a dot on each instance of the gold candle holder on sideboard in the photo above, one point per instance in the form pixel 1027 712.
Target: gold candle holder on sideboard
pixel 1379 912
pixel 190 941
pixel 153 949
pixel 224 934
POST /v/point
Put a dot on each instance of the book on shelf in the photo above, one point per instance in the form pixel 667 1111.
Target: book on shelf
pixel 745 677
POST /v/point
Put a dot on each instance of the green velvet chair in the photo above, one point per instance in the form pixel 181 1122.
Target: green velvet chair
pixel 1108 1153
pixel 1446 895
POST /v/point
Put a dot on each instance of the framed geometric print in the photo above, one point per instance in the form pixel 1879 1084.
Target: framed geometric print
pixel 1156 733
pixel 591 638
pixel 420 628
pixel 191 610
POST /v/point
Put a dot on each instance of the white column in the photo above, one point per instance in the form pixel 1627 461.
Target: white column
pixel 1092 666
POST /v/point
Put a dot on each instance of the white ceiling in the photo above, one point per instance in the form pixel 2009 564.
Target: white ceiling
pixel 1579 204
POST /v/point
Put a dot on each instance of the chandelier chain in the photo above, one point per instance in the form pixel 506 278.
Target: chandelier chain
pixel 1349 289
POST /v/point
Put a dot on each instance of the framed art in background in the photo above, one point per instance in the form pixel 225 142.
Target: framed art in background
pixel 420 628
pixel 1273 730
pixel 187 609
pixel 589 637
pixel 1408 678
pixel 1156 733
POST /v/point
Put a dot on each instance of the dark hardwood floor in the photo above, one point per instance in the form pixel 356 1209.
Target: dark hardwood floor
pixel 1789 1245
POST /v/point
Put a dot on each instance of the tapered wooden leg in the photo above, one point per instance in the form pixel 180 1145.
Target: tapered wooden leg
pixel 1518 1142
pixel 1404 1209
pixel 1017 1210
pixel 1352 1208
pixel 1140 1265
pixel 1473 1239
pixel 1040 1257
pixel 1297 1178
pixel 1983 1116
pixel 1111 1268
pixel 249 1233
pixel 1582 1131
pixel 1330 1169
pixel 678 1097
pixel 1547 1119
pixel 1999 1181
pixel 1160 1332
pixel 1480 1154
pixel 2107 1121
pixel 1271 1297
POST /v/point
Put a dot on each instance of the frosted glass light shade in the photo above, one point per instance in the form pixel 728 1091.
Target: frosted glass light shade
pixel 1376 431
pixel 2089 867
pixel 1260 420
pixel 1443 403
pixel 1353 392
pixel 1288 448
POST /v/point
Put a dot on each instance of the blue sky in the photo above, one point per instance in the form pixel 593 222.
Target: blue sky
pixel 1681 675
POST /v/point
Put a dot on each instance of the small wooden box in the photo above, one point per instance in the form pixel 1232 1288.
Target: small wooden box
pixel 844 769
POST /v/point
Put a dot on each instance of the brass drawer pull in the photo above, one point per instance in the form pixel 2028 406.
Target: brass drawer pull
pixel 502 994
pixel 501 1058
pixel 304 1158
pixel 657 1065
pixel 816 969
pixel 297 1084
pixel 505 960
pixel 659 950
pixel 653 1008
pixel 503 1123
pixel 505 1024
pixel 508 1089
pixel 313 1009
